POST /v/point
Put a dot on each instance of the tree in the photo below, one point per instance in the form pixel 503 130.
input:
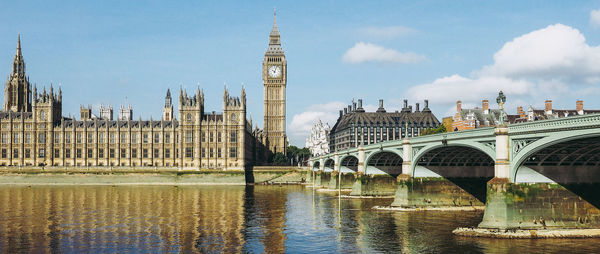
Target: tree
pixel 439 129
pixel 279 159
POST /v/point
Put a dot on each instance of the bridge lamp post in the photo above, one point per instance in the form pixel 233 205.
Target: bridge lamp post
pixel 501 99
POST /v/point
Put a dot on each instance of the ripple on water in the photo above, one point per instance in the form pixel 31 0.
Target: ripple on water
pixel 234 219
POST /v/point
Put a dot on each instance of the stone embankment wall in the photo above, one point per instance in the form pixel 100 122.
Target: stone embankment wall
pixel 149 176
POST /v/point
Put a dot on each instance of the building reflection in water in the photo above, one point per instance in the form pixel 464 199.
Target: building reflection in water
pixel 116 219
pixel 233 219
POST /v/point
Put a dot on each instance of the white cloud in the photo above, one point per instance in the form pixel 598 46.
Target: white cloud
pixel 548 63
pixel 303 122
pixel 595 18
pixel 386 32
pixel 368 52
pixel 456 87
pixel 557 51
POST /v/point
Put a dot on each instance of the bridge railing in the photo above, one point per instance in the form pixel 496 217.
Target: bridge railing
pixel 566 123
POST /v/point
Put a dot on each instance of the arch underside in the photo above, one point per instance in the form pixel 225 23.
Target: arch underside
pixel 574 164
pixel 316 165
pixel 467 167
pixel 329 165
pixel 384 163
pixel 349 164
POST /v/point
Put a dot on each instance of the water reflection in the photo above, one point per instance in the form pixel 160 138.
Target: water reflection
pixel 234 219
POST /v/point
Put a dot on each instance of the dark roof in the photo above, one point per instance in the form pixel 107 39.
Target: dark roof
pixel 213 117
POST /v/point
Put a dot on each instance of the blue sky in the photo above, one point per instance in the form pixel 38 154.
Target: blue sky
pixel 104 51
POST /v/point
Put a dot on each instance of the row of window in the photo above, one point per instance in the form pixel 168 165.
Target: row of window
pixel 189 153
pixel 112 138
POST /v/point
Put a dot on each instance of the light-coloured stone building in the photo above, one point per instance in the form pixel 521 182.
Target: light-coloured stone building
pixel 318 140
pixel 35 133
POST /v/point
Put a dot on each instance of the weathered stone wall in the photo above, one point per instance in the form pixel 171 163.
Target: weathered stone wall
pixel 374 185
pixel 149 177
pixel 347 180
pixel 431 192
pixel 536 206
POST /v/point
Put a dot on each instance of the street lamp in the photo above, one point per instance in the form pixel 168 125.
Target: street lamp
pixel 501 99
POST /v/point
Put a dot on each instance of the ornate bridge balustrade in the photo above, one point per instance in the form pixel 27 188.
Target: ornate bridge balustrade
pixel 544 171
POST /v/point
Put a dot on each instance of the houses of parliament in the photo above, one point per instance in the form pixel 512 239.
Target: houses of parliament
pixel 34 131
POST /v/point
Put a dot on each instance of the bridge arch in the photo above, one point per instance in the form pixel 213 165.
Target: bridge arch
pixel 316 165
pixel 576 150
pixel 328 164
pixel 384 162
pixel 469 165
pixel 348 163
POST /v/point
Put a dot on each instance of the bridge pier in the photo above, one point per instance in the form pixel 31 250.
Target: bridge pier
pixel 421 192
pixel 373 185
pixel 536 206
pixel 347 181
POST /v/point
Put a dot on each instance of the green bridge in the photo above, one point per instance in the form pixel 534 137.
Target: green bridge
pixel 533 176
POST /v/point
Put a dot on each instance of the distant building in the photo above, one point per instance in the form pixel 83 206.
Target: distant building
pixel 106 113
pixel 126 113
pixel 471 118
pixel 549 113
pixel 34 132
pixel 466 119
pixel 356 127
pixel 318 141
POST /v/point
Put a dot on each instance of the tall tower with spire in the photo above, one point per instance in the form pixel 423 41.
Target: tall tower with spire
pixel 168 109
pixel 274 82
pixel 17 92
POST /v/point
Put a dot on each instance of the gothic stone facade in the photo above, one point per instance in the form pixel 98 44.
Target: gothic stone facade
pixel 34 132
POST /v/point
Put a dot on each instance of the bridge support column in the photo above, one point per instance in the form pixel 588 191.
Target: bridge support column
pixel 407 158
pixel 361 160
pixel 334 181
pixel 502 163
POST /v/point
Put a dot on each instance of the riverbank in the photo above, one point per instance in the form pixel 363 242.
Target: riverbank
pixel 527 234
pixel 83 176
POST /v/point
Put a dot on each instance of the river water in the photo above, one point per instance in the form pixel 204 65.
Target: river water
pixel 234 219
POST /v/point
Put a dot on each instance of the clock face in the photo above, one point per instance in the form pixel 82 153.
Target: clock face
pixel 274 71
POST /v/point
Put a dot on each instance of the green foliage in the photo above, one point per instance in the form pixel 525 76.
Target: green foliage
pixel 439 129
pixel 280 160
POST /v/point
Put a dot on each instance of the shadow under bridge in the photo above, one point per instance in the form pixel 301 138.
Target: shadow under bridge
pixel 467 167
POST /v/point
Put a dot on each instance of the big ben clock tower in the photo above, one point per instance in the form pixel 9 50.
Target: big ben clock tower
pixel 274 74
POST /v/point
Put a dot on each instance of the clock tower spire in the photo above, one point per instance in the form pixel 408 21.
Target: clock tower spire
pixel 274 84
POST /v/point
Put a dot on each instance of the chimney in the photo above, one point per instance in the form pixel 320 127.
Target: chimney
pixel 345 111
pixel 410 108
pixel 405 103
pixel 520 112
pixel 417 107
pixel 360 103
pixel 354 106
pixel 548 108
pixel 426 104
pixel 458 106
pixel 579 107
pixel 341 113
pixel 381 109
pixel 486 106
pixel 349 108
